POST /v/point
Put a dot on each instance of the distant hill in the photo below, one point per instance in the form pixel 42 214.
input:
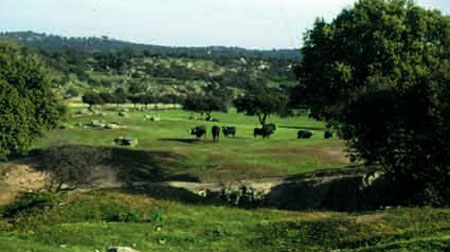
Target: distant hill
pixel 54 42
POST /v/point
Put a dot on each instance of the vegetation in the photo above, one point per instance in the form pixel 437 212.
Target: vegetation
pixel 71 167
pixel 167 75
pixel 379 74
pixel 28 106
pixel 45 42
pixel 386 90
pixel 262 105
pixel 166 150
pixel 97 220
pixel 205 104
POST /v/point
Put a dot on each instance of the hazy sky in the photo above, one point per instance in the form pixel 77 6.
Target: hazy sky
pixel 245 23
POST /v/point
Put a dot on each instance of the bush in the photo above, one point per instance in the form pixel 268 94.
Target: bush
pixel 71 167
pixel 30 203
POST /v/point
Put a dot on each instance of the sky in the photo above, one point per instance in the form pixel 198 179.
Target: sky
pixel 258 24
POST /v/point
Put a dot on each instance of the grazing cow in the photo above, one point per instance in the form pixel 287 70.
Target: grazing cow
pixel 264 132
pixel 304 134
pixel 199 131
pixel 215 133
pixel 327 134
pixel 229 131
pixel 258 132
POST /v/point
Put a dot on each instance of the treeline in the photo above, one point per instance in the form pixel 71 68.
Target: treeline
pixel 119 96
pixel 54 42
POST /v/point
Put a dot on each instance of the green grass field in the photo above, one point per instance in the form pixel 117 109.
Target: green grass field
pixel 149 221
pixel 96 220
pixel 231 158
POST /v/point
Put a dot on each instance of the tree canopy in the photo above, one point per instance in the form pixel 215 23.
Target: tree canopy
pixel 262 104
pixel 205 104
pixel 380 74
pixel 28 107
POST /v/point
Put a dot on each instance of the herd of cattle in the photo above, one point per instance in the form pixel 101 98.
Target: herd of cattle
pixel 265 132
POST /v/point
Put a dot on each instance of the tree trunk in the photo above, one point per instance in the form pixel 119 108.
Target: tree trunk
pixel 262 118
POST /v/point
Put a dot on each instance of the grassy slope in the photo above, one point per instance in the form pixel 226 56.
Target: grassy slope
pixel 145 219
pixel 242 157
pixel 81 224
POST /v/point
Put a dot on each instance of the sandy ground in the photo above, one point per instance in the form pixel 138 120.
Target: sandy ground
pixel 19 178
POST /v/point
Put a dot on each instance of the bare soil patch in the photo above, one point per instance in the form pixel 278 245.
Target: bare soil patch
pixel 19 178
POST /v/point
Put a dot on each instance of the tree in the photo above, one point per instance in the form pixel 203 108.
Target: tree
pixel 92 99
pixel 107 97
pixel 262 105
pixel 71 92
pixel 120 95
pixel 205 104
pixel 71 167
pixel 28 107
pixel 380 73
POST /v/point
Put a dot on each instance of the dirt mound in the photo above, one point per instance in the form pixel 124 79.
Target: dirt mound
pixel 15 179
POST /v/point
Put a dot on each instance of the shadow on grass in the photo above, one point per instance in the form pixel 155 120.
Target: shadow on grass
pixel 151 166
pixel 130 165
pixel 189 140
pixel 181 140
pixel 167 192
pixel 300 127
pixel 349 170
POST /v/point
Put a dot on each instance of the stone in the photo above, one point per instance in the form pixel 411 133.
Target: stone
pixel 123 114
pixel 126 141
pixel 97 124
pixel 112 126
pixel 122 249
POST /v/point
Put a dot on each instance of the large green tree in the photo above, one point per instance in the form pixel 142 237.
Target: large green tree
pixel 380 73
pixel 205 104
pixel 262 104
pixel 28 107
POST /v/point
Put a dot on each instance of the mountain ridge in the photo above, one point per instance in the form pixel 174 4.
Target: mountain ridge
pixel 104 43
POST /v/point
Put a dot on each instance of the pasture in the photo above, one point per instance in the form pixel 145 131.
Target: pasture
pixel 95 220
pixel 158 219
pixel 167 144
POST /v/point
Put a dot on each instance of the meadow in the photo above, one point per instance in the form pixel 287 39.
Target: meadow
pixel 94 220
pixel 179 153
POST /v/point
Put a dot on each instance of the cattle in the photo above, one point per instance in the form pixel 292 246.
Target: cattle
pixel 327 134
pixel 227 131
pixel 304 134
pixel 258 132
pixel 198 131
pixel 264 132
pixel 215 133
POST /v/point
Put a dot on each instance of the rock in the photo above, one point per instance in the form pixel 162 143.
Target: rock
pixel 112 126
pixel 122 249
pixel 97 124
pixel 126 141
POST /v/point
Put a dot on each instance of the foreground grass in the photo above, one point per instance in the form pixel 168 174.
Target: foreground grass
pixel 232 158
pixel 96 220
